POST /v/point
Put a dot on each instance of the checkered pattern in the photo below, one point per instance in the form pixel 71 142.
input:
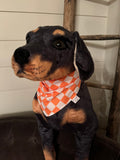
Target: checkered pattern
pixel 54 95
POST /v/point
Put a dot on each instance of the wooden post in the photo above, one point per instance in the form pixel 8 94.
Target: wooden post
pixel 69 14
pixel 100 37
pixel 113 128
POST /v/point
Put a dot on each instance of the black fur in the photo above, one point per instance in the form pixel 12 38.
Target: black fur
pixel 61 54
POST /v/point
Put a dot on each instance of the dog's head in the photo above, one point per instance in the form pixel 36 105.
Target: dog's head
pixel 50 53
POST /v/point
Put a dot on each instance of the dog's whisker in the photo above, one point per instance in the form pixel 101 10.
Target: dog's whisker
pixel 19 71
pixel 42 71
pixel 31 64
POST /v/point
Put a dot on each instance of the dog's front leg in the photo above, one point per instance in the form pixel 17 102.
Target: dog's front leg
pixel 46 133
pixel 83 137
pixel 83 144
pixel 83 131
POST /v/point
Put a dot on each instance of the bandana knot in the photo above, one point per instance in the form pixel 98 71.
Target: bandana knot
pixel 53 95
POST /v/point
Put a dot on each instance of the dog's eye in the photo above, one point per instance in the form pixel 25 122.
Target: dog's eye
pixel 59 44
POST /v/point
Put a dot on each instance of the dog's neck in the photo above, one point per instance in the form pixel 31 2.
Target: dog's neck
pixel 53 95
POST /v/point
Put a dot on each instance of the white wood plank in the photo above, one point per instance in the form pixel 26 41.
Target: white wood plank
pixel 83 7
pixel 103 2
pixel 113 26
pixel 89 8
pixel 7 49
pixel 97 50
pixel 8 81
pixel 16 101
pixel 14 26
pixel 90 25
pixel 46 6
pixel 110 64
pixel 97 76
pixel 17 31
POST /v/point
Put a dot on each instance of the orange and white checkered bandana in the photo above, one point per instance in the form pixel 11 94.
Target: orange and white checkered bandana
pixel 53 95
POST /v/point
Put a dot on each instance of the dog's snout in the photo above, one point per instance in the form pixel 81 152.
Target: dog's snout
pixel 21 56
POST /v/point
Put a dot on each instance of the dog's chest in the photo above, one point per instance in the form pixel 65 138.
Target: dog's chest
pixel 55 95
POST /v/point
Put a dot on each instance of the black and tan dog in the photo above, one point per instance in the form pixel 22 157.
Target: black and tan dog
pixel 52 55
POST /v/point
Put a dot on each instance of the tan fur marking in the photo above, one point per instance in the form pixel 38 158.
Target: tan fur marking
pixel 35 30
pixel 15 67
pixel 37 68
pixel 48 155
pixel 37 109
pixel 74 116
pixel 58 31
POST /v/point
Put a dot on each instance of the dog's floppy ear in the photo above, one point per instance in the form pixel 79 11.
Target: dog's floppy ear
pixel 83 59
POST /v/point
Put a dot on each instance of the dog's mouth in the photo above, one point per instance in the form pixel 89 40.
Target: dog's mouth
pixel 36 69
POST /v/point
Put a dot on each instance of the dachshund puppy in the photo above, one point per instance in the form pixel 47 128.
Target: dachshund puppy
pixel 61 62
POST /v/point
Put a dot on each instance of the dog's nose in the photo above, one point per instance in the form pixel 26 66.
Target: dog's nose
pixel 21 56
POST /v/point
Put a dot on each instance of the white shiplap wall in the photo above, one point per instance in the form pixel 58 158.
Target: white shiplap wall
pixel 19 17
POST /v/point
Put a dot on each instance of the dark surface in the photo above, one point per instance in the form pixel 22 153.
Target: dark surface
pixel 19 140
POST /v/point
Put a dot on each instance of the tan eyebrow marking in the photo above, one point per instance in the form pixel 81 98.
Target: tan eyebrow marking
pixel 58 31
pixel 35 30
